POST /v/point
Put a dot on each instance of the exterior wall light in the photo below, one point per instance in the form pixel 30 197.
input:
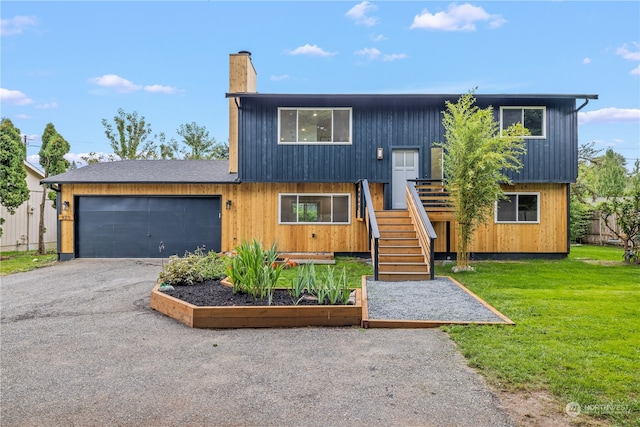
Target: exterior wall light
pixel 379 153
pixel 228 204
pixel 65 206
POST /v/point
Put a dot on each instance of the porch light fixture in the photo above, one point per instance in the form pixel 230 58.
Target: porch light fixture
pixel 228 204
pixel 65 206
pixel 379 153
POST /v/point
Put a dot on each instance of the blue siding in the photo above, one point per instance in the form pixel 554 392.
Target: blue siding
pixel 388 122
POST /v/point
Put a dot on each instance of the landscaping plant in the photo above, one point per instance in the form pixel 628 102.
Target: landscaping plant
pixel 331 289
pixel 194 267
pixel 254 270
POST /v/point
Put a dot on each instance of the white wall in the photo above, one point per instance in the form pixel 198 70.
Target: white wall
pixel 20 231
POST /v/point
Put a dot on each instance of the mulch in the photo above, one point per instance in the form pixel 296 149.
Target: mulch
pixel 211 293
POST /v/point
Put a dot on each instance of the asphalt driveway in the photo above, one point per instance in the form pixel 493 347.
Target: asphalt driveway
pixel 80 346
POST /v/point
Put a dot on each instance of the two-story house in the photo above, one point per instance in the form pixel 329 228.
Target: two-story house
pixel 330 173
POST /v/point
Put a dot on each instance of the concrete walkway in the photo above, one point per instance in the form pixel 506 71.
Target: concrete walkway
pixel 79 346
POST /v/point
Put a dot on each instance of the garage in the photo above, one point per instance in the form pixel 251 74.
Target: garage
pixel 145 227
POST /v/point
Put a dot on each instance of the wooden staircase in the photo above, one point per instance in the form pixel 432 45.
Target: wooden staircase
pixel 400 254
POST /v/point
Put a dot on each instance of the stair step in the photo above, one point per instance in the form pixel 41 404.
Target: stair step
pixel 394 220
pixel 394 226
pixel 397 277
pixel 392 214
pixel 399 250
pixel 392 241
pixel 395 258
pixel 403 267
pixel 399 234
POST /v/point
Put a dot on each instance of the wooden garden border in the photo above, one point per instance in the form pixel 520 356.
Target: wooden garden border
pixel 257 316
pixel 406 324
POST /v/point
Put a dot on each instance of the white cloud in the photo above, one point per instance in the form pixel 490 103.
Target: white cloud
pixel 378 38
pixel 369 53
pixel 456 18
pixel 47 105
pixel 17 25
pixel 394 57
pixel 624 52
pixel 14 97
pixel 586 61
pixel 311 50
pixel 359 13
pixel 22 116
pixel 160 89
pixel 636 71
pixel 280 78
pixel 116 82
pixel 373 54
pixel 609 115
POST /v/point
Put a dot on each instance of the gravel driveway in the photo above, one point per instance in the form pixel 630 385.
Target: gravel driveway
pixel 80 346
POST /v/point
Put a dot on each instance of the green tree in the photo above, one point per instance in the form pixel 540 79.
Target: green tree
pixel 128 136
pixel 626 212
pixel 199 145
pixel 476 158
pixel 52 160
pixel 611 175
pixel 13 174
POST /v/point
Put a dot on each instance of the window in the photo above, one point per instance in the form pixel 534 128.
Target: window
pixel 519 207
pixel 314 125
pixel 533 118
pixel 314 208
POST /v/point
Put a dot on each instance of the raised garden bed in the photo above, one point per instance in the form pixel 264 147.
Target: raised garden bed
pixel 260 316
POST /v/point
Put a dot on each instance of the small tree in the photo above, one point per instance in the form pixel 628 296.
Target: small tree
pixel 626 211
pixel 612 175
pixel 476 158
pixel 128 138
pixel 52 160
pixel 197 139
pixel 13 175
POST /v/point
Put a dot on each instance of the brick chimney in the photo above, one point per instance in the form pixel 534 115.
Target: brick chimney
pixel 242 79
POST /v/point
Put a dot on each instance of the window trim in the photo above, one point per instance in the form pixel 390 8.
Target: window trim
pixel 527 107
pixel 519 193
pixel 332 109
pixel 298 195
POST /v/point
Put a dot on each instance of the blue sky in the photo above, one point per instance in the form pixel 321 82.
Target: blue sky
pixel 75 63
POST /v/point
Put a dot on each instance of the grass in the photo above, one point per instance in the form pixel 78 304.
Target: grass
pixel 355 267
pixel 577 332
pixel 19 261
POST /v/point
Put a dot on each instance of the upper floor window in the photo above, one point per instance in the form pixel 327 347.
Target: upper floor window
pixel 314 125
pixel 533 118
pixel 519 207
pixel 307 208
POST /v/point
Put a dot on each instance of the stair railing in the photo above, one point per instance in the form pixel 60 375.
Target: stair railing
pixel 424 228
pixel 365 211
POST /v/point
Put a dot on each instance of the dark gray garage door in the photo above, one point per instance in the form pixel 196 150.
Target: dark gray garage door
pixel 134 227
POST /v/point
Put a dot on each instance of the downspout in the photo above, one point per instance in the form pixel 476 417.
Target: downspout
pixel 58 232
pixel 584 104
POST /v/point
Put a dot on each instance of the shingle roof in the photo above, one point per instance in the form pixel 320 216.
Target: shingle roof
pixel 149 171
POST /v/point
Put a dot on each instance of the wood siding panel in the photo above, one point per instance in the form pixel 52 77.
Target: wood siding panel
pixel 253 213
pixel 549 236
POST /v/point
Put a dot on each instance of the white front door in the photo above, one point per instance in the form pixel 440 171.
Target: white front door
pixel 405 166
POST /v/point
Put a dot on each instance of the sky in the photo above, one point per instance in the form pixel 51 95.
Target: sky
pixel 75 63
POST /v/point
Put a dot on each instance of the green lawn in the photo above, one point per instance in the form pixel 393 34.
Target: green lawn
pixel 355 268
pixel 577 330
pixel 15 262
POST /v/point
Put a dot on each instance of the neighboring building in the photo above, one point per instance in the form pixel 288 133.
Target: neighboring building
pixel 20 230
pixel 300 167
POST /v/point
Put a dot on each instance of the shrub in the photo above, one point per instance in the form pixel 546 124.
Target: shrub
pixel 194 267
pixel 253 270
pixel 332 289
